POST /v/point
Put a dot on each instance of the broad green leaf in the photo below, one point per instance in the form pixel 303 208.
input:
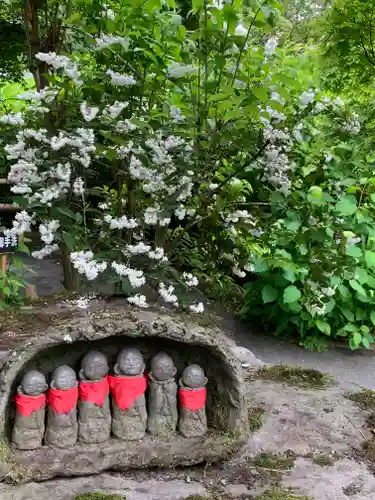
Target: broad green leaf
pixel 370 258
pixel 269 294
pixel 372 317
pixel 323 326
pixel 347 313
pixel 366 343
pixel 347 206
pixel 291 294
pixel 357 338
pixel 357 287
pixel 354 251
pixel 289 274
pixel 361 275
pixel 68 239
pixel 316 192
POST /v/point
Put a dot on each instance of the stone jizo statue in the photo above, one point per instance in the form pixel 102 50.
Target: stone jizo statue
pixel 62 428
pixel 28 430
pixel 94 414
pixel 192 402
pixel 128 387
pixel 163 415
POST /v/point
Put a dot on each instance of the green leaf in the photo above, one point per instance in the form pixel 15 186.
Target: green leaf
pixel 354 251
pixel 366 343
pixel 347 313
pixel 289 274
pixel 261 93
pixel 66 211
pixel 68 239
pixel 357 338
pixel 323 326
pixel 372 317
pixel 291 294
pixel 370 258
pixel 361 275
pixel 357 287
pixel 316 192
pixel 269 294
pixel 197 4
pixel 347 206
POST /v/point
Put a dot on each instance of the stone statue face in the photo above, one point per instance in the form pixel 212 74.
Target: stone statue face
pixel 193 377
pixel 130 362
pixel 64 378
pixel 162 367
pixel 34 383
pixel 94 366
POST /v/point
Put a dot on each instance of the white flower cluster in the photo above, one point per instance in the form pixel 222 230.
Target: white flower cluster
pixel 176 115
pixel 176 70
pixel 13 119
pixel 21 224
pixel 168 295
pixel 68 67
pixel 113 110
pixel 45 251
pixel 275 161
pixel 197 308
pixel 307 98
pixel 47 231
pixel 104 41
pixel 138 300
pixel 31 178
pixel 270 47
pixel 190 280
pixel 88 113
pixel 135 276
pixel 352 125
pixel 119 80
pixel 238 272
pixel 108 13
pixel 85 264
pixel 122 222
pixel 78 186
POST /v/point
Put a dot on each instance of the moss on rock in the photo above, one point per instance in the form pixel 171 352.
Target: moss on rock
pixel 281 494
pixel 365 398
pixel 274 461
pixel 99 496
pixel 255 418
pixel 325 459
pixel 295 376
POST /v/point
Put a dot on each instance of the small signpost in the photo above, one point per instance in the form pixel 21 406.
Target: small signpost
pixel 8 244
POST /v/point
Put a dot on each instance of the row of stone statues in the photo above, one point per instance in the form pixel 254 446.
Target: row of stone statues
pixel 93 422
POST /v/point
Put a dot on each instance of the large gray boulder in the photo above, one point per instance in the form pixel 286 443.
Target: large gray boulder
pixel 70 336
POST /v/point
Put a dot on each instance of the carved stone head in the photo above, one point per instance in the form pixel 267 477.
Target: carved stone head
pixel 129 362
pixel 94 366
pixel 34 383
pixel 193 377
pixel 64 378
pixel 162 367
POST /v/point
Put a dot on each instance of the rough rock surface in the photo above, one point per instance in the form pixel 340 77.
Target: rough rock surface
pixel 301 424
pixel 109 329
pixel 115 484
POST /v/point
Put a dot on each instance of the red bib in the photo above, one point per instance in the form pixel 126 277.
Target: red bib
pixel 193 400
pixel 63 401
pixel 26 405
pixel 126 390
pixel 94 392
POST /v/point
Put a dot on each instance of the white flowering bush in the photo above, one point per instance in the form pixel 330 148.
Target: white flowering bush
pixel 310 262
pixel 138 141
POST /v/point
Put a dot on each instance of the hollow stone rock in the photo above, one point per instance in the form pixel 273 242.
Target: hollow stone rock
pixel 110 330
